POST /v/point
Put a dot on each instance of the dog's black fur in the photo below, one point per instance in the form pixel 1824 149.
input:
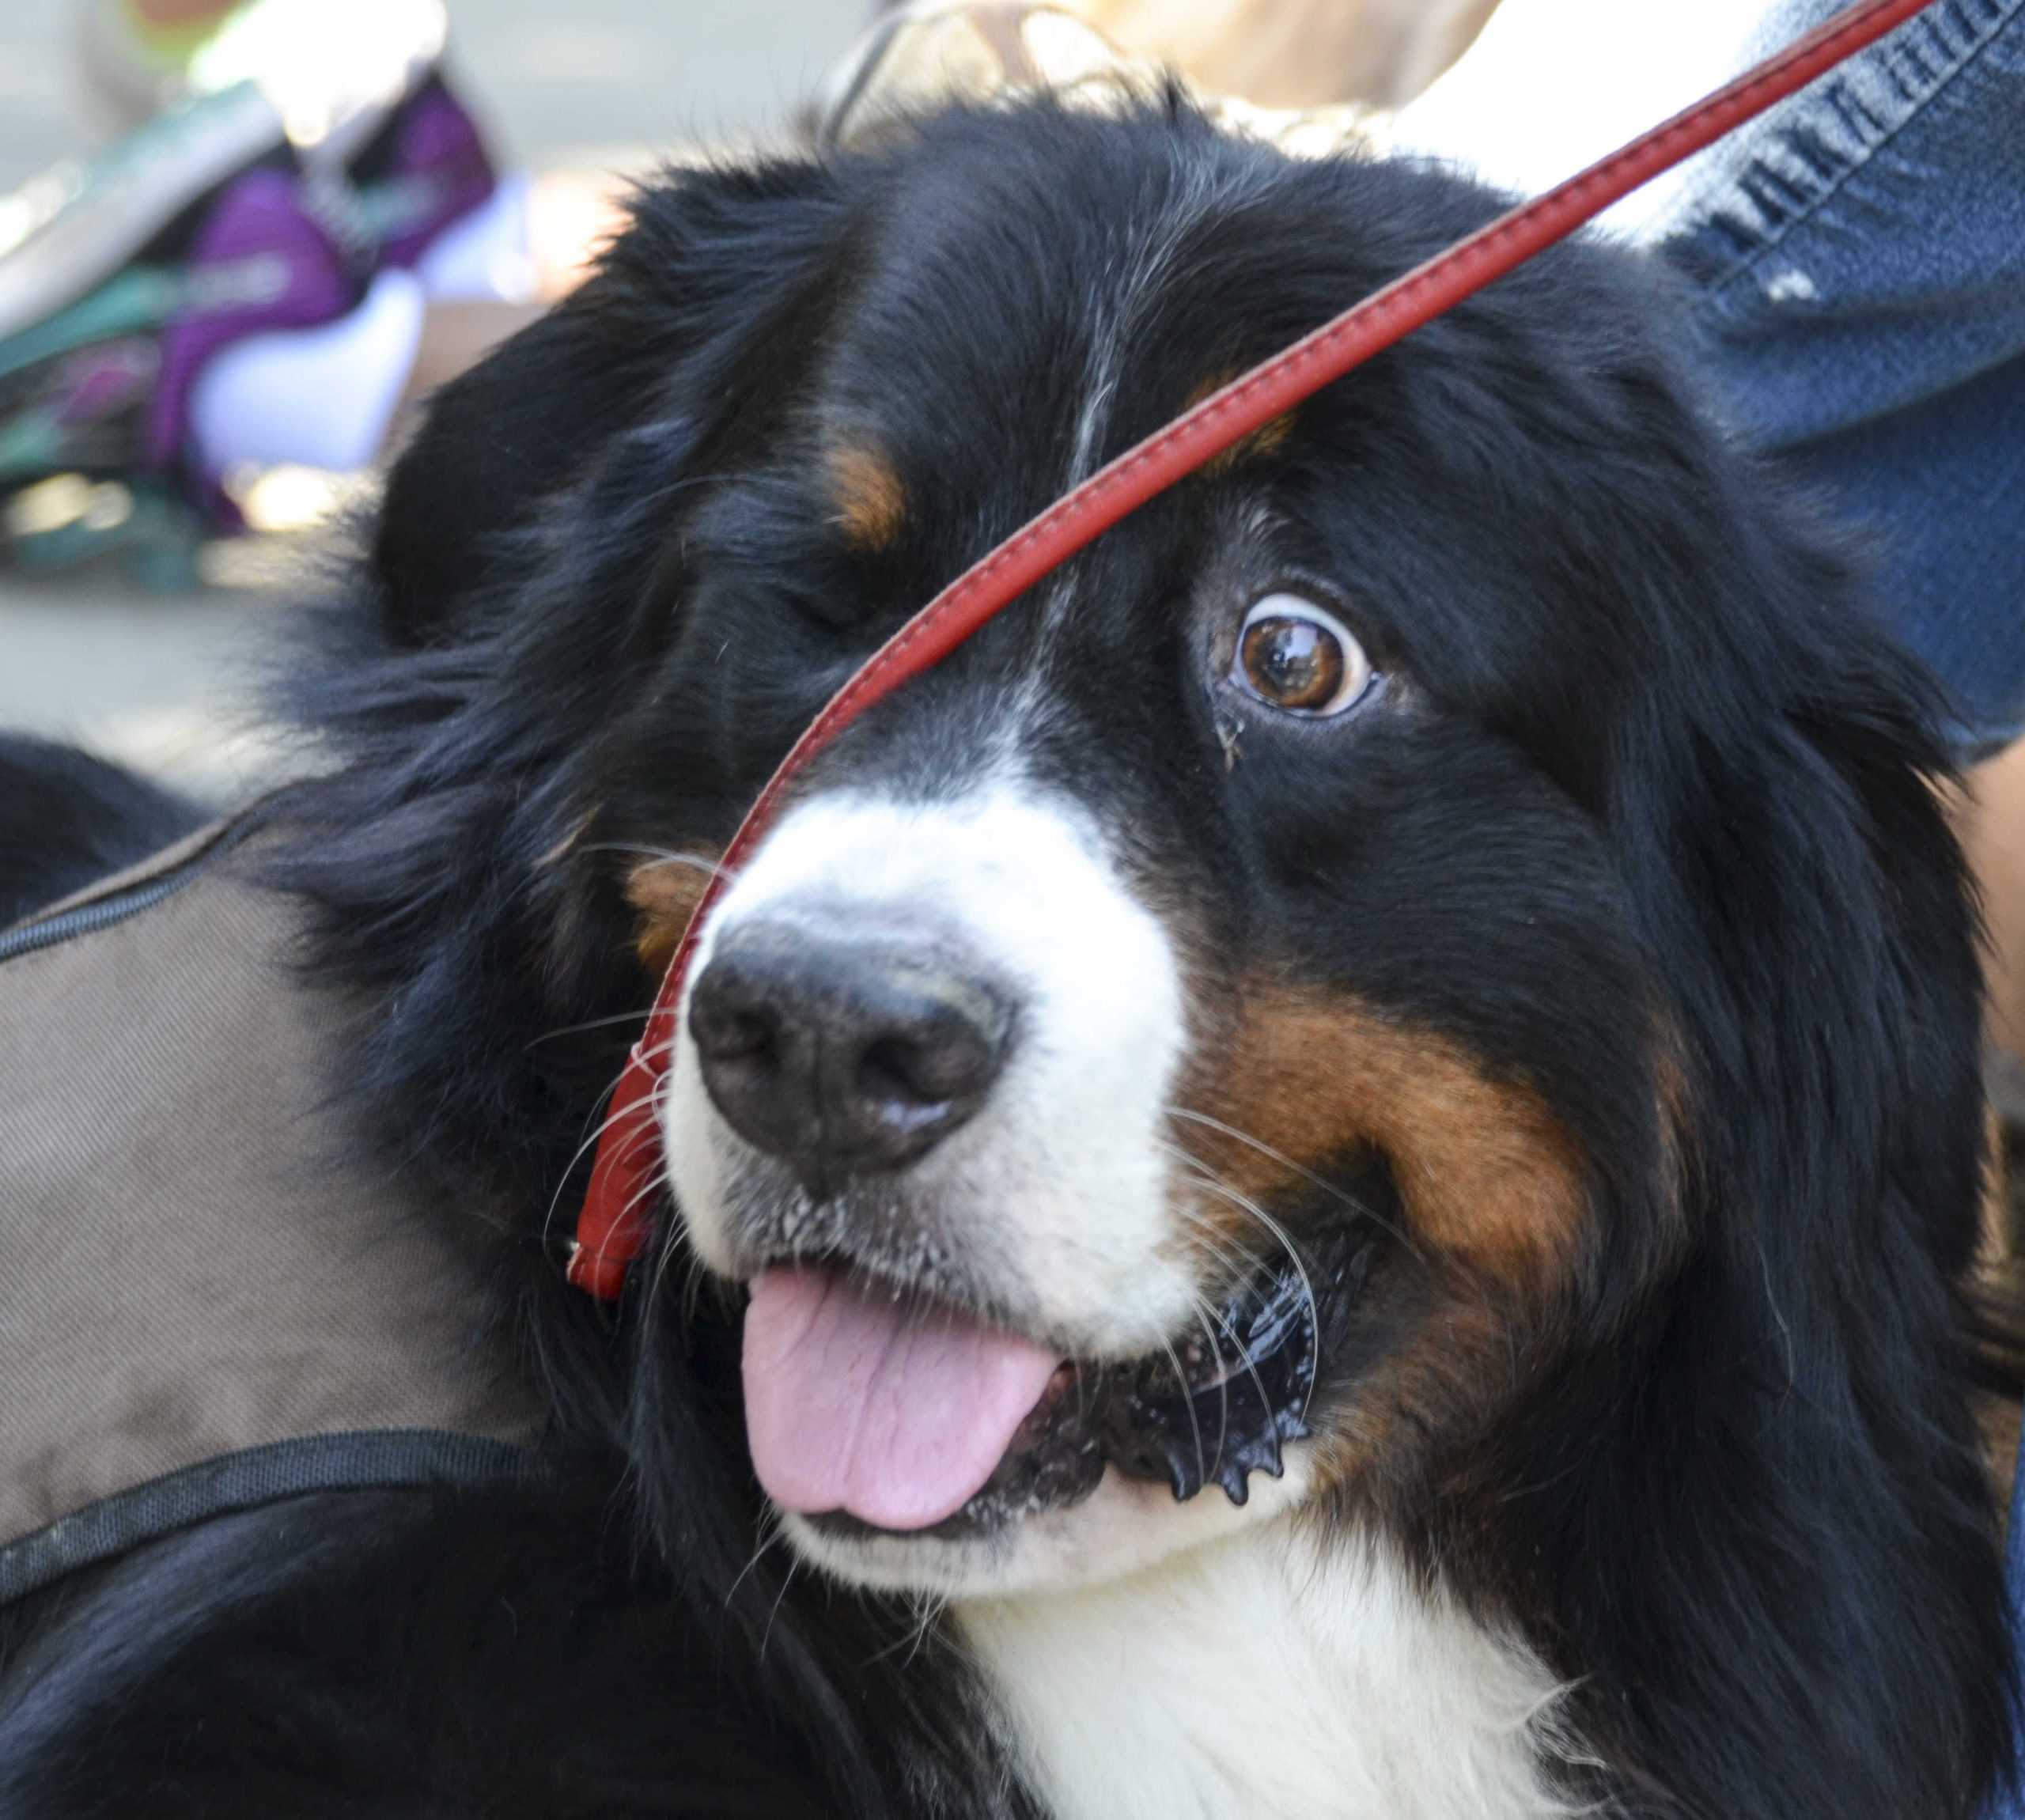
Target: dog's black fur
pixel 1655 825
pixel 67 819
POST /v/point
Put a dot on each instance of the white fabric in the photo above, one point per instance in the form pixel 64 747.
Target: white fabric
pixel 312 398
pixel 488 253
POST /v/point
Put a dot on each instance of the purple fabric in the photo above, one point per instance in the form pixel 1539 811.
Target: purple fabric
pixel 258 263
pixel 437 147
pixel 106 382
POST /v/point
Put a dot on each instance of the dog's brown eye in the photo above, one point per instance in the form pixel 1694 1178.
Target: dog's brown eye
pixel 1297 657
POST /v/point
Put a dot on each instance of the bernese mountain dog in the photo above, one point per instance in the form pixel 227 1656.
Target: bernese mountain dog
pixel 1330 1176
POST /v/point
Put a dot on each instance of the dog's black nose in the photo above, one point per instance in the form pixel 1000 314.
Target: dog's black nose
pixel 844 1053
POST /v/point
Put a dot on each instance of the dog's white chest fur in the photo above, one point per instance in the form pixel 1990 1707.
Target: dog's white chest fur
pixel 1260 1677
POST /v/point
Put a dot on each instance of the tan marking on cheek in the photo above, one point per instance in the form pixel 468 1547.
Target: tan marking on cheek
pixel 1411 1421
pixel 1268 439
pixel 1487 1176
pixel 868 499
pixel 665 893
pixel 1445 1376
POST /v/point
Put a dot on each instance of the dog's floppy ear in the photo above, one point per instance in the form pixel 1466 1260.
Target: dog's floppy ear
pixel 713 267
pixel 1818 1471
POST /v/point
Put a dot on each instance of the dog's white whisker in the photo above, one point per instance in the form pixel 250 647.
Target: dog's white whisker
pixel 1266 1401
pixel 787 1580
pixel 1279 1233
pixel 1202 1320
pixel 1362 1209
pixel 588 1144
pixel 629 1017
pixel 1188 1403
pixel 660 856
pixel 773 1534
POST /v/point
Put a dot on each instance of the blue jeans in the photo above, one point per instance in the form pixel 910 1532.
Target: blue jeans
pixel 1858 259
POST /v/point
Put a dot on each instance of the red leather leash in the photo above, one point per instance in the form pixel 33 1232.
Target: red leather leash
pixel 616 1221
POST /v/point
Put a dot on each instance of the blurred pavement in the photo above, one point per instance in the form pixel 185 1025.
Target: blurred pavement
pixel 586 86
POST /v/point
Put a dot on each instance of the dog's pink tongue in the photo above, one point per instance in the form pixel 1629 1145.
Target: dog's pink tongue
pixel 895 1414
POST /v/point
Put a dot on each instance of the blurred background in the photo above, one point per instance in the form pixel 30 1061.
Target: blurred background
pixel 158 676
pixel 126 624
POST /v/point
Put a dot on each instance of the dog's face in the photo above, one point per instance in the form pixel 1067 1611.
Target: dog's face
pixel 1204 979
pixel 1222 1041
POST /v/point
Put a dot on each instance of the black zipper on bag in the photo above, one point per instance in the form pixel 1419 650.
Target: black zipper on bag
pixel 103 912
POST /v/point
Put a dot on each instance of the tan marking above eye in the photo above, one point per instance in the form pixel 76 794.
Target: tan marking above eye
pixel 1488 1176
pixel 1268 439
pixel 868 498
pixel 666 892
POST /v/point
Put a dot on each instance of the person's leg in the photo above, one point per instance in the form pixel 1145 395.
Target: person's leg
pixel 1857 266
pixel 1856 262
